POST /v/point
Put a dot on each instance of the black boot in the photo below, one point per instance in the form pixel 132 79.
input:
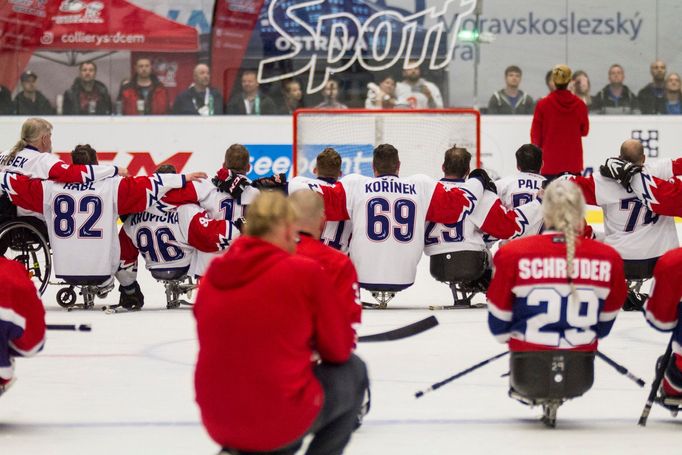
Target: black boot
pixel 131 297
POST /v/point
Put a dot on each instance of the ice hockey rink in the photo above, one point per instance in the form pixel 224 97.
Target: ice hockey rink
pixel 127 387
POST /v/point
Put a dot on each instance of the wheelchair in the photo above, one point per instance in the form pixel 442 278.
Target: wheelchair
pixel 24 239
pixel 550 378
pixel 177 283
pixel 466 272
pixel 636 273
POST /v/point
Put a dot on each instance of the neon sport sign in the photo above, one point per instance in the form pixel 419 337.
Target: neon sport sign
pixel 338 40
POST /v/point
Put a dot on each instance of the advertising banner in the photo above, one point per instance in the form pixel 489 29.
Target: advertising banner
pixel 194 144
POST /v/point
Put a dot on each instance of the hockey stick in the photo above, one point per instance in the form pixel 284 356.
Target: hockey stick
pixel 403 332
pixel 658 378
pixel 621 369
pixel 440 384
pixel 72 327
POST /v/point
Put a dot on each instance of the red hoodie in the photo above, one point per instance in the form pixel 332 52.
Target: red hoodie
pixel 261 312
pixel 559 122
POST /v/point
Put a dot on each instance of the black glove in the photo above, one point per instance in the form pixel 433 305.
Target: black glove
pixel 239 223
pixel 274 182
pixel 485 179
pixel 620 170
pixel 230 182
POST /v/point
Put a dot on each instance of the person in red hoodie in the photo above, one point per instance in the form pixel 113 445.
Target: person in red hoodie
pixel 263 315
pixel 559 123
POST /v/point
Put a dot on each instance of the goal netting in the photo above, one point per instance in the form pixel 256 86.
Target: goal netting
pixel 421 137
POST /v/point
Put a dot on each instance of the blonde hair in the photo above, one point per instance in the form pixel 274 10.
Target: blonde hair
pixel 269 210
pixel 33 129
pixel 563 209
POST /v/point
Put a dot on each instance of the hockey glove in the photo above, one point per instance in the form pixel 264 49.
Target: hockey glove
pixel 230 182
pixel 484 178
pixel 620 170
pixel 274 182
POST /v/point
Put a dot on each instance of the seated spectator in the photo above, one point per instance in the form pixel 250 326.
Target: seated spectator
pixel 651 97
pixel 580 87
pixel 30 101
pixel 671 103
pixel 293 96
pixel 87 96
pixel 250 101
pixel 200 98
pixel 549 82
pixel 144 94
pixel 417 92
pixel 381 96
pixel 331 95
pixel 6 106
pixel 511 100
pixel 616 98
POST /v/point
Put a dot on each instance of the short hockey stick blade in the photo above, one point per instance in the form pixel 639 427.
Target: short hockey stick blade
pixel 72 327
pixel 403 332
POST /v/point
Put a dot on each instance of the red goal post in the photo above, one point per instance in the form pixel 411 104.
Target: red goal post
pixel 421 136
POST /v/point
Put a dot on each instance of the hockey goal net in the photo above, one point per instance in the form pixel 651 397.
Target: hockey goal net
pixel 421 137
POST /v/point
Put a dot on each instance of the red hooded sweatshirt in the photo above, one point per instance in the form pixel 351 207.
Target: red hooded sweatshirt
pixel 261 312
pixel 559 122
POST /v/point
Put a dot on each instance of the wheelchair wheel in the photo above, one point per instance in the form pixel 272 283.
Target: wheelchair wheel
pixel 66 297
pixel 23 242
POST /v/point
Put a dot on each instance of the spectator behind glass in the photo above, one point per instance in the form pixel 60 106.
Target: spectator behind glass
pixel 381 96
pixel 549 82
pixel 200 98
pixel 671 103
pixel 30 101
pixel 6 106
pixel 293 96
pixel 416 92
pixel 331 95
pixel 511 100
pixel 616 98
pixel 87 96
pixel 651 97
pixel 250 101
pixel 144 94
pixel 580 87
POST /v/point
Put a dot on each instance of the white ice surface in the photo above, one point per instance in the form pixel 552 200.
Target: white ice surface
pixel 126 388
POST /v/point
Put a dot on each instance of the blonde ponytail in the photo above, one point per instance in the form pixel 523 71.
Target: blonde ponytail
pixel 31 131
pixel 563 209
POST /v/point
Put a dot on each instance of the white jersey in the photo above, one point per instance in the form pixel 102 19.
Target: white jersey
pixel 518 189
pixel 629 227
pixel 220 206
pixel 389 214
pixel 46 166
pixel 489 217
pixel 411 95
pixel 162 239
pixel 82 218
pixel 336 234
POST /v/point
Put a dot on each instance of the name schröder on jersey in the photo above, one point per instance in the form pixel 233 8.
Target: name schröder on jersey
pixel 552 267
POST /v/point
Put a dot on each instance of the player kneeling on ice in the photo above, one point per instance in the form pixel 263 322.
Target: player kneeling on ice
pixel 263 315
pixel 551 298
pixel 169 241
pixel 663 311
pixel 81 217
pixel 458 252
pixel 22 319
